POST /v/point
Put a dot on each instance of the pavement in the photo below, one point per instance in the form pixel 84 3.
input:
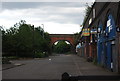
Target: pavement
pixel 52 68
pixel 8 66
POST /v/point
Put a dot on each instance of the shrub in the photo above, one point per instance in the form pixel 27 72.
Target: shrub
pixel 46 54
pixel 39 55
pixel 5 61
pixel 12 57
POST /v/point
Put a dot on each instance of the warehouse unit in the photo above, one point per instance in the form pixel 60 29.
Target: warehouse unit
pixel 102 42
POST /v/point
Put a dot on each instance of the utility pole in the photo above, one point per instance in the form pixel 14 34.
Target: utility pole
pixel 43 30
pixel 33 42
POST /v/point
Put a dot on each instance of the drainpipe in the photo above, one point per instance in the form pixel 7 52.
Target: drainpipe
pixel 118 36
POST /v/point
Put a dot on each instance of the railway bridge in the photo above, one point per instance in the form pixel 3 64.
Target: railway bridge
pixel 64 37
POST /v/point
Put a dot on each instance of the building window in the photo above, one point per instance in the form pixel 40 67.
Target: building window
pixel 90 20
pixel 94 13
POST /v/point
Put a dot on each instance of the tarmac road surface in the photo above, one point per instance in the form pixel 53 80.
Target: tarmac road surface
pixel 53 67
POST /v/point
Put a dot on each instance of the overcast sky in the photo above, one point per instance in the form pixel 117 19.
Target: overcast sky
pixel 57 17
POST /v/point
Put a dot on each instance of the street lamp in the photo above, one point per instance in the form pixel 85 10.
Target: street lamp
pixel 43 30
pixel 81 26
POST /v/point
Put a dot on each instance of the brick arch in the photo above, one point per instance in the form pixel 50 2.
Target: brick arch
pixel 58 37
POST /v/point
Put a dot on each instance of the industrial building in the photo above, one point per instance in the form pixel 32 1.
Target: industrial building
pixel 100 35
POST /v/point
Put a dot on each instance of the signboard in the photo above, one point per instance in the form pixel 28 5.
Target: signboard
pixel 90 21
pixel 118 29
pixel 86 32
pixel 93 31
pixel 108 23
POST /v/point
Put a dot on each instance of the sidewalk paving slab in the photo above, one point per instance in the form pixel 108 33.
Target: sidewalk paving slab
pixel 8 66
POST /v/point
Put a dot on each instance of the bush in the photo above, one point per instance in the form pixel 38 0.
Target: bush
pixel 5 61
pixel 46 54
pixel 39 55
pixel 12 57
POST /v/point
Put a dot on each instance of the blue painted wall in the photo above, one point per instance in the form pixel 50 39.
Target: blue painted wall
pixel 110 30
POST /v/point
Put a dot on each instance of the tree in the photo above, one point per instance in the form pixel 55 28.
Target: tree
pixel 24 40
pixel 9 41
pixel 62 47
pixel 87 11
pixel 76 38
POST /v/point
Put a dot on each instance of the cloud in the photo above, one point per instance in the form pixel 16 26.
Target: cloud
pixel 24 5
pixel 54 15
pixel 57 28
pixel 47 0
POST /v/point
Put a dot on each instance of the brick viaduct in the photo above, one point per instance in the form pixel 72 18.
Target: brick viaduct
pixel 65 37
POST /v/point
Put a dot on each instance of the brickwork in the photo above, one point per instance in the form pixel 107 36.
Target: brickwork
pixel 58 37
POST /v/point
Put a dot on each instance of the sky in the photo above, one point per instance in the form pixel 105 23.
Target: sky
pixel 57 17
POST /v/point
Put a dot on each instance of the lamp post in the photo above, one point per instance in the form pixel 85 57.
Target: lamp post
pixel 43 30
pixel 81 26
pixel 33 41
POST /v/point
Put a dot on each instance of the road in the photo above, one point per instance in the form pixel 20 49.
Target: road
pixel 53 67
